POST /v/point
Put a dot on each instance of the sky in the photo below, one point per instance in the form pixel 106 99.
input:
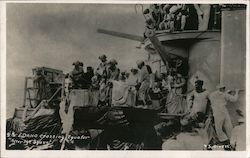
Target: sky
pixel 56 35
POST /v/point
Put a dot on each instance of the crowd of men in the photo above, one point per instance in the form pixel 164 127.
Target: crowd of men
pixel 179 17
pixel 146 85
pixel 105 74
pixel 165 91
pixel 108 86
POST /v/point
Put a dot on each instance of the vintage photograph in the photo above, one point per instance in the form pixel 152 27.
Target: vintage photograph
pixel 94 76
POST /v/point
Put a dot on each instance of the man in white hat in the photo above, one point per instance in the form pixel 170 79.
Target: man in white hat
pixel 133 77
pixel 76 75
pixel 132 81
pixel 144 80
pixel 113 72
pixel 101 70
pixel 222 119
pixel 238 136
pixel 179 83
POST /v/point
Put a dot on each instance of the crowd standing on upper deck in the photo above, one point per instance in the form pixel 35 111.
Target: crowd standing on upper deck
pixel 179 17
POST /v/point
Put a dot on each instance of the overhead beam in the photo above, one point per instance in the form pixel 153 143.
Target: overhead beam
pixel 121 35
pixel 160 49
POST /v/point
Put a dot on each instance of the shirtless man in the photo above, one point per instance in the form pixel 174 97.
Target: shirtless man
pixel 199 98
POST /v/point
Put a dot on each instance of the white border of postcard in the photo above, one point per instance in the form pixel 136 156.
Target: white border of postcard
pixel 132 154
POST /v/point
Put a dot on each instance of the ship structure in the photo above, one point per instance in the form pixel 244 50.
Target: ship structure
pixel 194 51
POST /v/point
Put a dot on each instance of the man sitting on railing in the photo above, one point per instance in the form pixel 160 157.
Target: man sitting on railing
pixel 203 12
pixel 156 14
pixel 179 17
pixel 167 23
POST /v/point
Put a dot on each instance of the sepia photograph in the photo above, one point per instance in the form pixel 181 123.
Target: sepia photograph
pixel 105 76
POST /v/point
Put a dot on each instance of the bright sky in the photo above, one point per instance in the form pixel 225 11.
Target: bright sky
pixel 55 35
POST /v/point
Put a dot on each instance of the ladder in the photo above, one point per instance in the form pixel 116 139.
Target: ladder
pixel 28 91
pixel 32 100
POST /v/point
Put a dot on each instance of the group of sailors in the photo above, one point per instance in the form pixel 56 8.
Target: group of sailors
pixel 179 17
pixel 200 100
pixel 167 91
pixel 108 86
pixel 107 74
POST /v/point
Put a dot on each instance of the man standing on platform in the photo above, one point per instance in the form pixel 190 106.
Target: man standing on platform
pixel 113 72
pixel 101 70
pixel 144 81
pixel 199 98
pixel 77 75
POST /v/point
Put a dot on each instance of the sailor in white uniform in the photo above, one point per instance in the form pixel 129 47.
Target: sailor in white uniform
pixel 222 119
pixel 101 70
pixel 144 80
